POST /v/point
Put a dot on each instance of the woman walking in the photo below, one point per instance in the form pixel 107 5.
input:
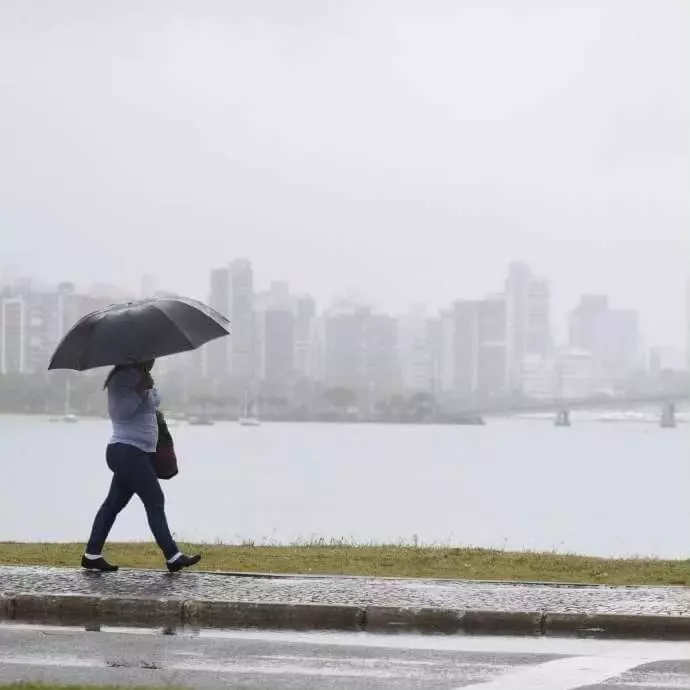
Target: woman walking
pixel 132 404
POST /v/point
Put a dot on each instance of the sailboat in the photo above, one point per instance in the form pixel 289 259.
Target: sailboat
pixel 248 418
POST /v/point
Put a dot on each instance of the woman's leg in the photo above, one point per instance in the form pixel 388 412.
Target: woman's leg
pixel 151 495
pixel 137 471
pixel 118 497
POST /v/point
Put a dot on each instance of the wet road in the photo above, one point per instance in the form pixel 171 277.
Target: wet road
pixel 275 661
pixel 357 591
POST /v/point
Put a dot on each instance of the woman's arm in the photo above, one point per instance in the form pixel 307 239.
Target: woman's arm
pixel 126 396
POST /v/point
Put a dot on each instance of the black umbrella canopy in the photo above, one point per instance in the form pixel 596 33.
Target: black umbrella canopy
pixel 137 332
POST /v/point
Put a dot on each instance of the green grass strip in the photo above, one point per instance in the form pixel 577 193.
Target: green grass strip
pixel 377 560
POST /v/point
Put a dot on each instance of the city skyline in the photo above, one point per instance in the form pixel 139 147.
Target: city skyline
pixel 671 334
pixel 497 345
pixel 559 318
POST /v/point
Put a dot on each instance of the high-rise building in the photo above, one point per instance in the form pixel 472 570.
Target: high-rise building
pixel 317 359
pixel 277 359
pixel 492 374
pixel 528 319
pixel 69 307
pixel 434 330
pixel 415 351
pixel 304 308
pixel 382 372
pixel 13 334
pixel 360 350
pixel 344 348
pixel 479 349
pixel 611 336
pixel 220 295
pixel 43 329
pixel 242 340
pixel 32 325
pixel 588 323
pixel 625 355
pixel 220 298
pixel 274 343
pixel 442 333
pixel 465 349
pixel 232 294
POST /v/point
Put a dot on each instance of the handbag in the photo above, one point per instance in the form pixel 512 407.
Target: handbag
pixel 164 460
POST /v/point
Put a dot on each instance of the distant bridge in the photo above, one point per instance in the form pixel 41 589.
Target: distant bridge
pixel 561 405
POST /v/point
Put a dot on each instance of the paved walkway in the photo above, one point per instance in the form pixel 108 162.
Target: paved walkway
pixel 662 601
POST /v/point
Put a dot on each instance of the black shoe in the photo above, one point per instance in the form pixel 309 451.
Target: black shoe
pixel 183 562
pixel 98 564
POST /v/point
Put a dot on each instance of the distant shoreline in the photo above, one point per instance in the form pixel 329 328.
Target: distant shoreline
pixel 325 419
pixel 609 418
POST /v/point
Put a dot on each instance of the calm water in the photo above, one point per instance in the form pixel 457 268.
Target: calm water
pixel 608 489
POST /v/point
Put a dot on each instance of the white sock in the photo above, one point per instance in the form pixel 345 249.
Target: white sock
pixel 175 557
pixel 92 557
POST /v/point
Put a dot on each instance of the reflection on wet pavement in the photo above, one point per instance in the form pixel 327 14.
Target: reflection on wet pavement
pixel 334 661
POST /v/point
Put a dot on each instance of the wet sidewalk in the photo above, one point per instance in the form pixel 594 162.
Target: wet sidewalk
pixel 455 595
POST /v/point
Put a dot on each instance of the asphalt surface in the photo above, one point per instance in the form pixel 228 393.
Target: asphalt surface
pixel 357 591
pixel 310 661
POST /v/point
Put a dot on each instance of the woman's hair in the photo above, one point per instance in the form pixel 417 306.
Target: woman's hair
pixel 113 371
pixel 142 366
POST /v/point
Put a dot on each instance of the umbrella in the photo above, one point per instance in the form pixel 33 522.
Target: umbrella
pixel 137 332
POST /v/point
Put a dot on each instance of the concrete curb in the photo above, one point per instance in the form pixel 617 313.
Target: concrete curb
pixel 385 619
pixel 503 623
pixel 618 626
pixel 80 609
pixel 380 619
pixel 278 616
pixel 171 614
pixel 6 607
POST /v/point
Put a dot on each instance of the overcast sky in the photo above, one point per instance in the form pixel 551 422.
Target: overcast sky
pixel 406 149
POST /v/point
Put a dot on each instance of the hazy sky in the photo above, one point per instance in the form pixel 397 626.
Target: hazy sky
pixel 408 149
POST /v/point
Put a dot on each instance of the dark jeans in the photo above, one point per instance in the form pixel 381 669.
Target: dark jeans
pixel 133 473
